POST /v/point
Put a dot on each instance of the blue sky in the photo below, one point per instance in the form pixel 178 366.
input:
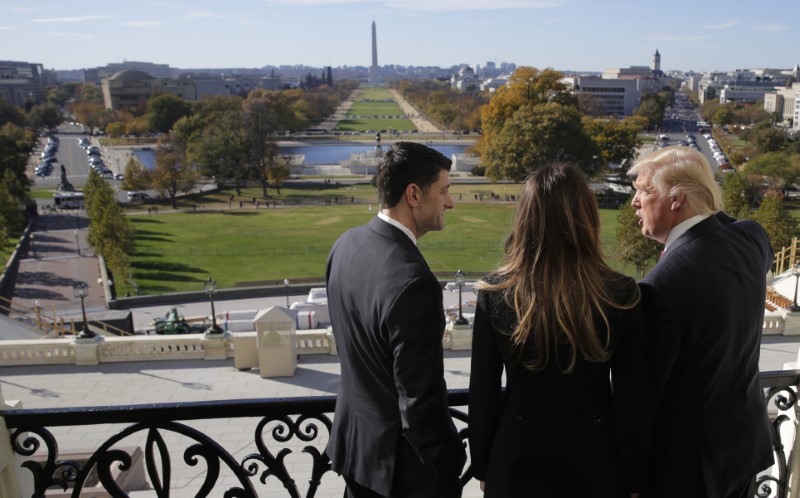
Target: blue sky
pixel 563 34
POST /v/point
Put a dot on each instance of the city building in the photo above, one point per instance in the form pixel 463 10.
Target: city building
pixel 619 91
pixel 158 71
pixel 21 82
pixel 796 117
pixel 466 80
pixel 782 101
pixel 127 89
pixel 131 87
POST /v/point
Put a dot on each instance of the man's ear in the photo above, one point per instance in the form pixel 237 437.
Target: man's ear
pixel 678 201
pixel 413 194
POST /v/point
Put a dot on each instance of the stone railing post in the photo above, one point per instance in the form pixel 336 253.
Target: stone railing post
pixel 216 345
pixel 10 484
pixel 86 350
pixel 460 336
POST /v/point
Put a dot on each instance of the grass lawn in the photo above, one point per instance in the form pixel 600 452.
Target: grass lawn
pixel 367 124
pixel 178 251
pixel 373 94
pixel 375 109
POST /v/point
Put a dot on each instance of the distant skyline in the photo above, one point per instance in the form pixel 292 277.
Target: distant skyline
pixel 579 35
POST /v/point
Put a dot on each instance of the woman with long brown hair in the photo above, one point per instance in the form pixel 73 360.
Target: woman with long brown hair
pixel 567 330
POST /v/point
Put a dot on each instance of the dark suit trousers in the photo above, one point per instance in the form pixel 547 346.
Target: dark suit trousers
pixel 412 479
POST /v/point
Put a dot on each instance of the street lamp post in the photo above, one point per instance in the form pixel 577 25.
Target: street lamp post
pixel 460 280
pixel 211 289
pixel 80 290
pixel 286 284
pixel 796 273
pixel 77 244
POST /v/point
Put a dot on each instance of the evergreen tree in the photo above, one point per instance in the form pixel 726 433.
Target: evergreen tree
pixel 735 197
pixel 776 220
pixel 111 234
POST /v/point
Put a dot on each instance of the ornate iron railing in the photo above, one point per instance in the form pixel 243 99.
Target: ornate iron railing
pixel 280 421
pixel 220 471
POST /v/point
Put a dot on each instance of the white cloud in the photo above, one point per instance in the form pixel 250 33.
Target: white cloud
pixel 770 27
pixel 725 25
pixel 7 28
pixel 676 38
pixel 205 15
pixel 64 20
pixel 142 24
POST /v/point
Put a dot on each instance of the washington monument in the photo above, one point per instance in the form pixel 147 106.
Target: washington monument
pixel 374 77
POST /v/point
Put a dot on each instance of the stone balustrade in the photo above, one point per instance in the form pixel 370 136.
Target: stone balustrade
pixel 64 351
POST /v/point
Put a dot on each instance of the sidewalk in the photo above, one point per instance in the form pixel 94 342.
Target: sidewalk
pixel 59 256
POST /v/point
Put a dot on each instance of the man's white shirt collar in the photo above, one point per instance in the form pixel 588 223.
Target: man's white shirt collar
pixel 399 225
pixel 683 227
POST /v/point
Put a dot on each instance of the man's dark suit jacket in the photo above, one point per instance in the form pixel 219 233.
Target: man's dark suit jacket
pixel 386 310
pixel 704 306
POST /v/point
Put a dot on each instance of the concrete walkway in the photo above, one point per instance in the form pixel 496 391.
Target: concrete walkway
pixel 59 256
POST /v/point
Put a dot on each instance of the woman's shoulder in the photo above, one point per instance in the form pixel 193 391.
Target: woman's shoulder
pixel 622 288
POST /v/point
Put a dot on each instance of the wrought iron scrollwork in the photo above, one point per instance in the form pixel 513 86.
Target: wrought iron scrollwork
pixel 283 431
pixel 784 397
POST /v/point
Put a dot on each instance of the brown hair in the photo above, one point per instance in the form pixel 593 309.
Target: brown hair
pixel 554 275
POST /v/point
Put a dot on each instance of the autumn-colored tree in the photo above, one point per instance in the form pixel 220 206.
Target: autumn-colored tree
pixel 617 141
pixel 173 172
pixel 532 121
pixel 136 176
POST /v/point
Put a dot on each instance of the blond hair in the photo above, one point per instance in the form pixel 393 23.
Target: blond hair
pixel 678 169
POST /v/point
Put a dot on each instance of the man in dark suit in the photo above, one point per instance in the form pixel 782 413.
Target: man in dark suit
pixel 704 302
pixel 392 432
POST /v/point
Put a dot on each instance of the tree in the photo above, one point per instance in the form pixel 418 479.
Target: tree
pixel 632 246
pixel 263 114
pixel 12 209
pixel 11 114
pixel 164 110
pixel 531 121
pixel 782 169
pixel 776 220
pixel 723 115
pixel 137 127
pixel 136 176
pixel 44 116
pixel 768 139
pixel 110 232
pixel 223 149
pixel 617 141
pixel 173 171
pixel 278 171
pixel 736 193
pixel 115 129
pixel 652 109
pixel 535 135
